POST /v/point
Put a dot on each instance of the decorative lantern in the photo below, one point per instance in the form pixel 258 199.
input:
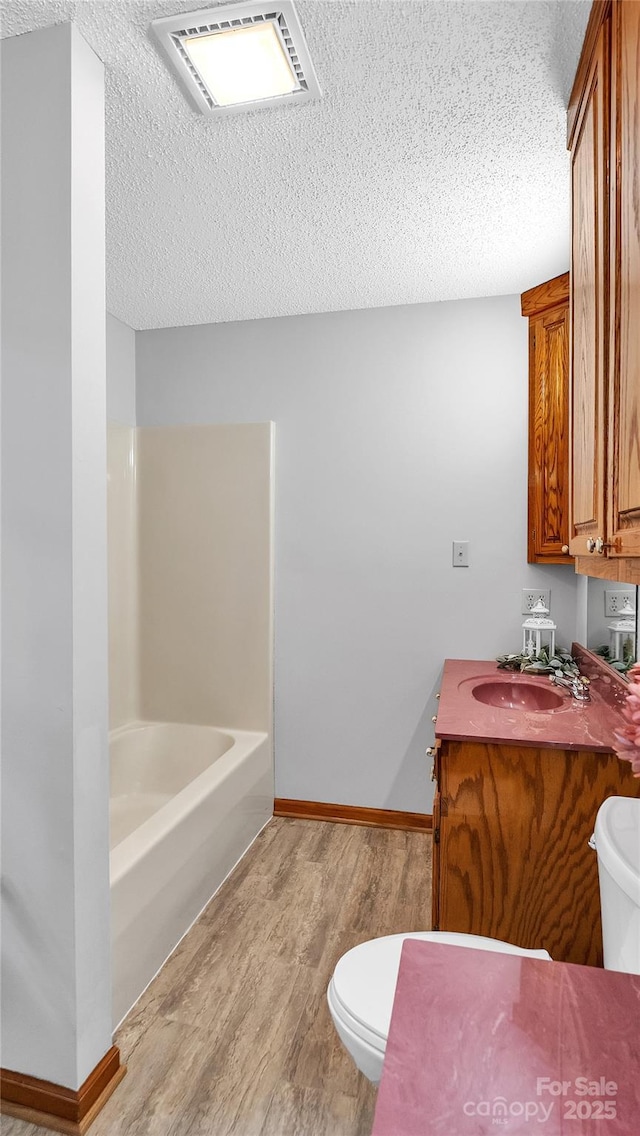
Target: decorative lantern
pixel 539 632
pixel 623 631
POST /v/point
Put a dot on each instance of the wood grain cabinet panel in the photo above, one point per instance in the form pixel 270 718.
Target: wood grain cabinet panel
pixel 548 522
pixel 513 856
pixel 604 139
pixel 624 368
pixel 589 237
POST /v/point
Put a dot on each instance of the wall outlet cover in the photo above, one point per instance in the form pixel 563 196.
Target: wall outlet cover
pixel 613 601
pixel 530 597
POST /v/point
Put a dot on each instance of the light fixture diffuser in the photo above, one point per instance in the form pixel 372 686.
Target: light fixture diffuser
pixel 239 56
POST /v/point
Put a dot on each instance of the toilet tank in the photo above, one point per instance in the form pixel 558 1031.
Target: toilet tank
pixel 617 842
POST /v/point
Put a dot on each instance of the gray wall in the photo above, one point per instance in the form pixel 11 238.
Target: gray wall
pixel 121 372
pixel 398 430
pixel 56 1011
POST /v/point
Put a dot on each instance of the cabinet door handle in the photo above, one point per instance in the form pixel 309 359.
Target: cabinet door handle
pixel 599 545
pixel 434 718
pixel 431 751
pixel 591 544
pixel 565 548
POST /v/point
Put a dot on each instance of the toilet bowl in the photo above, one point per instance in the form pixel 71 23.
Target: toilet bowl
pixel 362 989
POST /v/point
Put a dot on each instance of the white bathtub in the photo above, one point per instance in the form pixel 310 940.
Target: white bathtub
pixel 186 803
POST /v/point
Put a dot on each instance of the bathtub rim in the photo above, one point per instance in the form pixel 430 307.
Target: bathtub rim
pixel 142 723
pixel 129 851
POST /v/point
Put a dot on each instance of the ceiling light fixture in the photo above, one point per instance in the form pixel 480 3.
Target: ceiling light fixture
pixel 239 56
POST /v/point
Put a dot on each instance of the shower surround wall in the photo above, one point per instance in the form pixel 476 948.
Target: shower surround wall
pixel 122 557
pixel 190 577
pixel 190 612
pixel 205 578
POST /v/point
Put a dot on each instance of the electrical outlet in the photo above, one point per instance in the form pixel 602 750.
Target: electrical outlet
pixel 530 597
pixel 613 601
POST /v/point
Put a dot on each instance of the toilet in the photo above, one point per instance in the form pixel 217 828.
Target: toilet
pixel 363 986
pixel 617 843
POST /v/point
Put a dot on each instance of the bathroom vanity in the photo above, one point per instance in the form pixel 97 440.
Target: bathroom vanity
pixel 521 768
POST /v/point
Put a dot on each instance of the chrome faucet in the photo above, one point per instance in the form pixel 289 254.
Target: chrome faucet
pixel 578 685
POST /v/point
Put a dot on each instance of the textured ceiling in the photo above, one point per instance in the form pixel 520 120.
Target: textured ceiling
pixel 433 168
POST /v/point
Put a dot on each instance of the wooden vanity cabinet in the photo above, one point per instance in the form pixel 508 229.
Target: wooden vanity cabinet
pixel 604 141
pixel 511 854
pixel 547 308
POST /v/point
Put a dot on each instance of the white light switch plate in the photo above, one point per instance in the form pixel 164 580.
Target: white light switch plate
pixel 461 554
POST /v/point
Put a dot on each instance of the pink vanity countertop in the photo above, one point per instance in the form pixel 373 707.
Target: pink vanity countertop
pixel 484 1043
pixel 574 725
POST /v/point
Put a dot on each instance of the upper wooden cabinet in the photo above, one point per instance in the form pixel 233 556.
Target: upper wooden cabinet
pixel 589 235
pixel 624 366
pixel 604 140
pixel 547 308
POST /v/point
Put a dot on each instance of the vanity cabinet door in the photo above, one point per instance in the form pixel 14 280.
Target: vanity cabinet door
pixel 435 872
pixel 624 357
pixel 604 139
pixel 547 307
pixel 514 861
pixel 589 303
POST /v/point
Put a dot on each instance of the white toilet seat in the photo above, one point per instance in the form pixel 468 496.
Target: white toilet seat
pixel 362 989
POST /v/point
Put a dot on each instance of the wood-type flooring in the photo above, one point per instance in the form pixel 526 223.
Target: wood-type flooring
pixel 233 1037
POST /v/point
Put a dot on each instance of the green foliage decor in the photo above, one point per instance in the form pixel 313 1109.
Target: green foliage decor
pixel 562 663
pixel 622 665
